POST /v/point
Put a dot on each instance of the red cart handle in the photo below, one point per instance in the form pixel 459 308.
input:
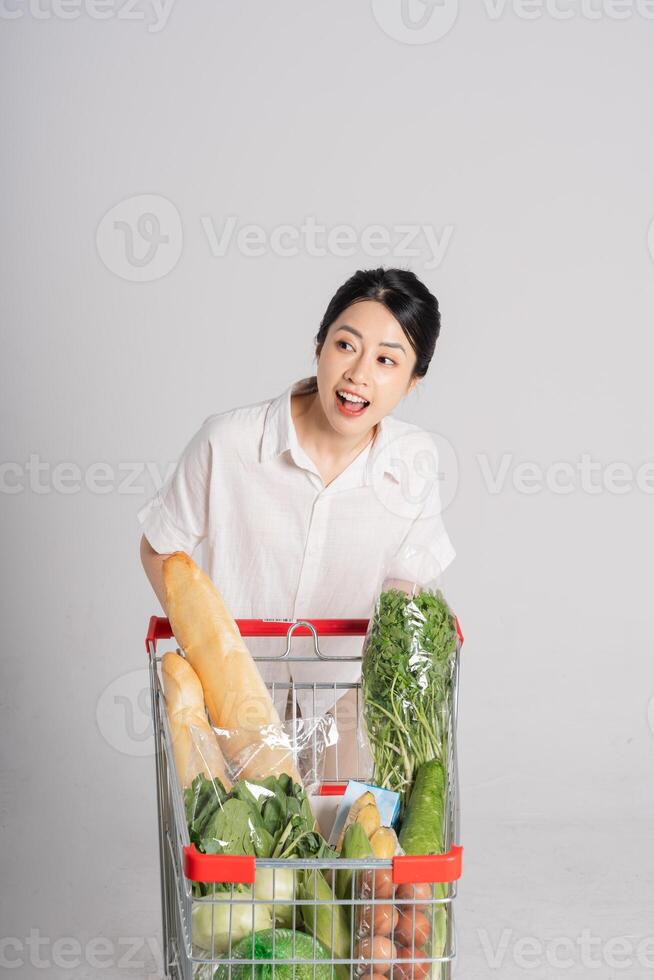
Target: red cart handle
pixel 159 628
pixel 407 868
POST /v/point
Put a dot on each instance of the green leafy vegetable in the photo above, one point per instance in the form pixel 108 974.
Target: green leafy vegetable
pixel 237 828
pixel 407 674
pixel 268 818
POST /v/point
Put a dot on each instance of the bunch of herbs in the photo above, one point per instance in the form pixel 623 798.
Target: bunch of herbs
pixel 407 677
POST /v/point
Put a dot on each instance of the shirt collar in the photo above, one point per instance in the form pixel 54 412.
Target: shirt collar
pixel 280 435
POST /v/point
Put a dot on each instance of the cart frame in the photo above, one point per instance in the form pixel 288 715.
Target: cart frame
pixel 181 863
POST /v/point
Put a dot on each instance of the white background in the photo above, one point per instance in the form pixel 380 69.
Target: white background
pixel 531 141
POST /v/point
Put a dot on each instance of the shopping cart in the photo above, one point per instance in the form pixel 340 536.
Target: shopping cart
pixel 426 885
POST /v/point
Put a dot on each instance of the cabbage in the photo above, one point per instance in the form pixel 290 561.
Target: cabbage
pixel 284 889
pixel 245 918
pixel 242 923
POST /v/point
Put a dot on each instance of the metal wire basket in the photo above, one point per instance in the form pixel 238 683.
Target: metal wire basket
pixel 293 919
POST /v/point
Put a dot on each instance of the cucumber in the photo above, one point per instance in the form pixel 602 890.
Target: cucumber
pixel 423 832
pixel 355 845
pixel 423 825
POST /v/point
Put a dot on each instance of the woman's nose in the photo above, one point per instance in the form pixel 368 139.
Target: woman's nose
pixel 357 374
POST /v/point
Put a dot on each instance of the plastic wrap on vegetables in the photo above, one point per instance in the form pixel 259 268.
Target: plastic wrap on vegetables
pixel 408 671
pixel 302 743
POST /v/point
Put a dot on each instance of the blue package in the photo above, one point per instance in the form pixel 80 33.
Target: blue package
pixel 387 800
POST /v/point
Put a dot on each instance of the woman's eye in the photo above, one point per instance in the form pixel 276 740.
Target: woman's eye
pixel 347 344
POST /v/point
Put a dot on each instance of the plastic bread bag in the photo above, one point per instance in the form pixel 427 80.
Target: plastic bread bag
pixel 303 742
pixel 195 748
pixel 256 812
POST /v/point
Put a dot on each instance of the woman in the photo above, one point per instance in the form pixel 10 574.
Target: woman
pixel 307 501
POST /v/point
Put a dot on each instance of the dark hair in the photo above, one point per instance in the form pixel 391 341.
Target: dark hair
pixel 404 295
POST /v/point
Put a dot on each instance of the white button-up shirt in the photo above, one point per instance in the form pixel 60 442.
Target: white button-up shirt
pixel 278 543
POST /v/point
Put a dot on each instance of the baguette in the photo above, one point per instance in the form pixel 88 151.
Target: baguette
pixel 235 693
pixel 195 746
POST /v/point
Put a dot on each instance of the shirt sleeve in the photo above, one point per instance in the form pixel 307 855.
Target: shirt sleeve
pixel 426 550
pixel 176 517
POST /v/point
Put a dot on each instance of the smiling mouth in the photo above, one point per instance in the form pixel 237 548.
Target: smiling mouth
pixel 350 408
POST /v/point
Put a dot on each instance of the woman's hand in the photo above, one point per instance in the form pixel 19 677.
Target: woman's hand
pixel 402 585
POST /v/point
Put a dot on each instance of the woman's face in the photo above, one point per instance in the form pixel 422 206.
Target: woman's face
pixel 366 353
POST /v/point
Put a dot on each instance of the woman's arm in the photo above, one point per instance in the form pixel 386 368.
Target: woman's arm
pixel 153 564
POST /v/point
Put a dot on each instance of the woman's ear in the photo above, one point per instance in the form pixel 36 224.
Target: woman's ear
pixel 412 383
